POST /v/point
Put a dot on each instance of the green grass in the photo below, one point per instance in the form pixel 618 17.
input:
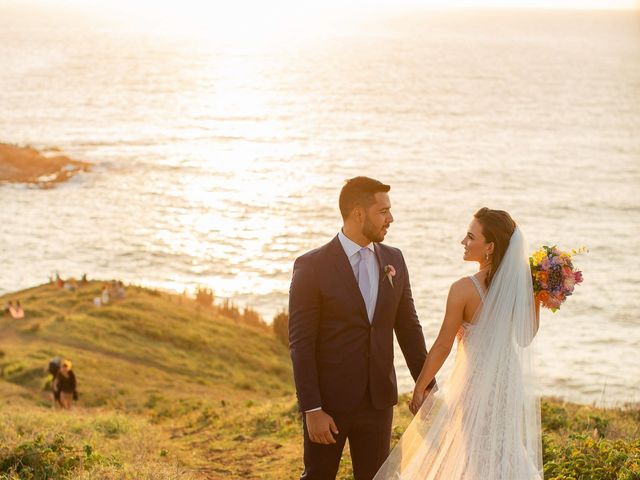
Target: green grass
pixel 170 389
pixel 155 369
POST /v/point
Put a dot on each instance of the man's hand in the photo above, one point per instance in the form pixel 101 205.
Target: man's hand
pixel 321 427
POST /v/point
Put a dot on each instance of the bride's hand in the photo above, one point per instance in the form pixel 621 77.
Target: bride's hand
pixel 416 401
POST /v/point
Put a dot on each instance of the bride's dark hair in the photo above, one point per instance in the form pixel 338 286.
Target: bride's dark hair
pixel 497 227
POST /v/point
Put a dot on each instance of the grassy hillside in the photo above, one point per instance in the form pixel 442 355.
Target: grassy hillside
pixel 169 389
pixel 156 364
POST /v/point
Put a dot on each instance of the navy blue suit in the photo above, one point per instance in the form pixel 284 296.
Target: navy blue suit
pixel 342 362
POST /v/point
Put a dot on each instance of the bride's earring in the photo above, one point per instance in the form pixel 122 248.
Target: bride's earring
pixel 486 256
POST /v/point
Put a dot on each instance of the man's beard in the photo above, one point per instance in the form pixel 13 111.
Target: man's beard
pixel 369 231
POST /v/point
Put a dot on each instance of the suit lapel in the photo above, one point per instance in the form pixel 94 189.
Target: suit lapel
pixel 343 266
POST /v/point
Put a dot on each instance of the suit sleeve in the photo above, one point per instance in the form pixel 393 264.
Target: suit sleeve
pixel 409 331
pixel 304 318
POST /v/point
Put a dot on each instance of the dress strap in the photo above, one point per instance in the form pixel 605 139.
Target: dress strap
pixel 478 287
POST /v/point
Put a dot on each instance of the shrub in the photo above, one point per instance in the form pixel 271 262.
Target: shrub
pixel 253 318
pixel 281 327
pixel 553 417
pixel 585 458
pixel 229 309
pixel 38 459
pixel 204 296
pixel 248 316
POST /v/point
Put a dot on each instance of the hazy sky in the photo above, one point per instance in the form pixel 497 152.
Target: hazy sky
pixel 181 5
pixel 252 19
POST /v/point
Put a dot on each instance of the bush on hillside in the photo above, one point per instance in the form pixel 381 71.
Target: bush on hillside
pixel 40 459
pixel 248 316
pixel 281 327
pixel 229 309
pixel 584 457
pixel 253 318
pixel 554 417
pixel 204 296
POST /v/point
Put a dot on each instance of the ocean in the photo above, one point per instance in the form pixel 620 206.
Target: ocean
pixel 219 159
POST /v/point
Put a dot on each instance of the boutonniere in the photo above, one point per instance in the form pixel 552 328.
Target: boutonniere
pixel 390 272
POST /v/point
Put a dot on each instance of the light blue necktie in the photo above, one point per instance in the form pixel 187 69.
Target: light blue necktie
pixel 363 277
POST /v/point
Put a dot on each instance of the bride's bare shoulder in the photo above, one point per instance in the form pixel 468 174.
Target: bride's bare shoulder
pixel 462 288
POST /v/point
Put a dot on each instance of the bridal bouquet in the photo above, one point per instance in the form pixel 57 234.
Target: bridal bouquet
pixel 554 276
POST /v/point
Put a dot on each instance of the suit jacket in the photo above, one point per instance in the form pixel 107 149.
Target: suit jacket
pixel 337 355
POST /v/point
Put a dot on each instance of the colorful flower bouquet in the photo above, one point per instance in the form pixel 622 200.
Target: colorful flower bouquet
pixel 554 276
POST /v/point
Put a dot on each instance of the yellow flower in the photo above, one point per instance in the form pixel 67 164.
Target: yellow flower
pixel 538 256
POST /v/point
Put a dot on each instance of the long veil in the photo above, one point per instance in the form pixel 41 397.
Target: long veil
pixel 484 423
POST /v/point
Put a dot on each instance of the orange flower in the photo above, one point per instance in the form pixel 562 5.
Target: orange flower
pixel 543 296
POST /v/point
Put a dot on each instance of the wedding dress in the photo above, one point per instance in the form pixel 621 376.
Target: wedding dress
pixel 484 423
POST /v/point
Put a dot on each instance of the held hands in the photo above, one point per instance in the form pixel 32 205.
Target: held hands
pixel 418 399
pixel 321 427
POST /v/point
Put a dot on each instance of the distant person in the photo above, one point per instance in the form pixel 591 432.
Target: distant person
pixel 8 307
pixel 65 385
pixel 104 297
pixel 120 292
pixel 53 368
pixel 16 312
pixel 59 281
pixel 83 280
pixel 71 284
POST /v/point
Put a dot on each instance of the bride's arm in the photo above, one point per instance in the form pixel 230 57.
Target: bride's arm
pixel 441 348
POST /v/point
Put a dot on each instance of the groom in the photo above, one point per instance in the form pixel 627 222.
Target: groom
pixel 346 300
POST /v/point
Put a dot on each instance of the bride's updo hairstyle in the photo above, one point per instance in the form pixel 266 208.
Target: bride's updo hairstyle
pixel 497 227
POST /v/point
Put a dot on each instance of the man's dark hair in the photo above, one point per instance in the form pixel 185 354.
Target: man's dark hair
pixel 359 192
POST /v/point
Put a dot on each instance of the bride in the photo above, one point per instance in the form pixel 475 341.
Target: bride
pixel 484 424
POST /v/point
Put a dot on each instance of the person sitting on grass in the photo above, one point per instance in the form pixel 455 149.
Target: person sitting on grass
pixel 65 385
pixel 71 284
pixel 105 297
pixel 8 307
pixel 120 291
pixel 16 312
